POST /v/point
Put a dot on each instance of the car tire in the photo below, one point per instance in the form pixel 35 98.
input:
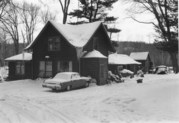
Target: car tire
pixel 68 88
pixel 53 89
pixel 87 84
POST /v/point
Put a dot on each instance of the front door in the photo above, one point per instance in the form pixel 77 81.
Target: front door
pixel 102 74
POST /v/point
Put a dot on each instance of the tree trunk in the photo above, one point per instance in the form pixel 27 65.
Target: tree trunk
pixel 64 18
pixel 174 62
pixel 16 46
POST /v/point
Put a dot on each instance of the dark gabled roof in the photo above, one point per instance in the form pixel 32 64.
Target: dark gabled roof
pixel 76 35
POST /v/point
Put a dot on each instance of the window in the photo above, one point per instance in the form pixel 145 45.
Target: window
pixel 54 44
pixel 20 69
pixel 45 69
pixel 95 43
pixel 64 66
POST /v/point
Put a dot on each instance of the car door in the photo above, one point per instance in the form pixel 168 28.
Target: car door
pixel 81 81
pixel 75 81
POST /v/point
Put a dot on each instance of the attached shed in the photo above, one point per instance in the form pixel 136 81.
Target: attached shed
pixel 95 64
pixel 20 66
pixel 120 61
pixel 144 58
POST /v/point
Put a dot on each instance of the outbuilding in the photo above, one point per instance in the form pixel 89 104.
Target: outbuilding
pixel 117 62
pixel 20 66
pixel 95 64
pixel 145 60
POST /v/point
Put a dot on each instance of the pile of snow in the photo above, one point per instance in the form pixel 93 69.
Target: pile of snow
pixel 3 73
pixel 153 101
pixel 126 71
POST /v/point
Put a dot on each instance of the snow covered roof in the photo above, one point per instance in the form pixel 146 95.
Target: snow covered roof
pixel 19 57
pixel 76 35
pixel 121 59
pixel 139 55
pixel 94 54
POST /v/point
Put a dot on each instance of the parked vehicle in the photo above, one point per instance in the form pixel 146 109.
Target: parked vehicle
pixel 162 69
pixel 67 81
pixel 127 73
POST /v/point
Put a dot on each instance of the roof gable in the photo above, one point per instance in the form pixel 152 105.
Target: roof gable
pixel 139 55
pixel 76 35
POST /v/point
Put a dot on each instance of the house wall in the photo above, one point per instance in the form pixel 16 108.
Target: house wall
pixel 12 71
pixel 40 50
pixel 91 67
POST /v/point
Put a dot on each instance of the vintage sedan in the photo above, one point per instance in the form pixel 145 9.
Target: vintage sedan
pixel 67 81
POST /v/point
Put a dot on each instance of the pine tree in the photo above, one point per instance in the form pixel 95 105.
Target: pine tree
pixel 92 10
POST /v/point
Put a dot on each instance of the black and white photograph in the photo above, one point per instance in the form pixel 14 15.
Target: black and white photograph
pixel 89 61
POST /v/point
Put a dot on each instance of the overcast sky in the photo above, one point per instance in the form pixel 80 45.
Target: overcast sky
pixel 131 30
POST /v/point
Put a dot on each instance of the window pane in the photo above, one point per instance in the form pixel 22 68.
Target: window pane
pixel 70 66
pixel 48 66
pixel 18 64
pixel 54 44
pixel 58 66
pixel 50 44
pixel 42 66
pixel 48 72
pixel 64 66
pixel 57 44
pixel 22 69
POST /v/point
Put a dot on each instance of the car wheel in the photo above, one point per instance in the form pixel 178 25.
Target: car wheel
pixel 87 84
pixel 53 89
pixel 68 88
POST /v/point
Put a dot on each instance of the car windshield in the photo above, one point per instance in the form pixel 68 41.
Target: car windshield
pixel 162 69
pixel 62 76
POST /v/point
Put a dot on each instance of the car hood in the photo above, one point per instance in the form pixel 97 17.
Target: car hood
pixel 55 81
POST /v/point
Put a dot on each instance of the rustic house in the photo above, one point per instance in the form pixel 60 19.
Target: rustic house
pixel 20 66
pixel 60 47
pixel 145 60
pixel 121 61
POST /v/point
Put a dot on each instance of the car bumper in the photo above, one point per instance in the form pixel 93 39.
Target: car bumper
pixel 55 87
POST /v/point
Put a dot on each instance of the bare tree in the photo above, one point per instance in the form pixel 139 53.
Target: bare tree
pixel 64 7
pixel 3 4
pixel 29 16
pixel 165 13
pixel 2 48
pixel 10 24
pixel 47 15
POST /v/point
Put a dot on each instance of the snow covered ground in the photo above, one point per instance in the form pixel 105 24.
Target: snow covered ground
pixel 156 100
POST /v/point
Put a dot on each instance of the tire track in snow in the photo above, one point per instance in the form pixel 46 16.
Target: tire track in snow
pixel 34 105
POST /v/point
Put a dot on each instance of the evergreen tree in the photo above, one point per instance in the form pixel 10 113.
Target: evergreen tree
pixel 92 10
